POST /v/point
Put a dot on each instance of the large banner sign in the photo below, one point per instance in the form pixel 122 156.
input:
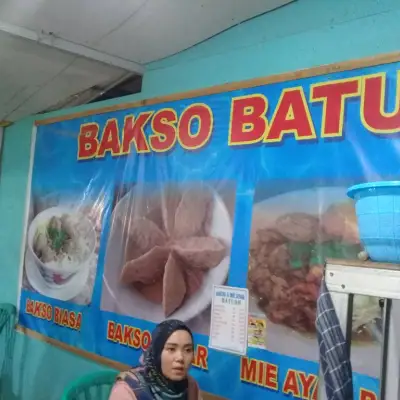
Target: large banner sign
pixel 136 213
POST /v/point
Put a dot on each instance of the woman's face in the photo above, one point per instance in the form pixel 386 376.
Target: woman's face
pixel 177 356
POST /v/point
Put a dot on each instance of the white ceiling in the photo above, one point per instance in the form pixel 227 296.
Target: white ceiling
pixel 52 49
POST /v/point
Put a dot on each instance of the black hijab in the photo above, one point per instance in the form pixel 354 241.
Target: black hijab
pixel 160 386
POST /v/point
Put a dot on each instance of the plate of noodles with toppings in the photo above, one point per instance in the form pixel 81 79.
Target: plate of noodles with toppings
pixel 292 235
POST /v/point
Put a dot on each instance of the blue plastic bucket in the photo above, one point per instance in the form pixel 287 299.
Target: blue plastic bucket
pixel 378 214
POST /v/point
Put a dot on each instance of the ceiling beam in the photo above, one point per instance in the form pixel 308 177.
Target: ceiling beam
pixel 50 40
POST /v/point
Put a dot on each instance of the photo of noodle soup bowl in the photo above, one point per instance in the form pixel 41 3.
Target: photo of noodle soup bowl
pixel 61 241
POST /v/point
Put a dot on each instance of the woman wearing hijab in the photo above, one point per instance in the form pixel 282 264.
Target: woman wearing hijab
pixel 164 374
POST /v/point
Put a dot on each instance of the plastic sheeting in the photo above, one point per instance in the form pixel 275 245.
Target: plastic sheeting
pixel 135 214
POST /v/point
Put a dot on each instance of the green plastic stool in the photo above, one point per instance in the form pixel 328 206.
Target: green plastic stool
pixel 95 386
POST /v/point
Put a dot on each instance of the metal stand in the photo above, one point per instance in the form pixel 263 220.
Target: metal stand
pixel 345 279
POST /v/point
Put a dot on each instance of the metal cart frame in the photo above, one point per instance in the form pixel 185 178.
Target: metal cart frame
pixel 345 279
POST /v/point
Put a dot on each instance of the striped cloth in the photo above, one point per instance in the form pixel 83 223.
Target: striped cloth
pixel 333 354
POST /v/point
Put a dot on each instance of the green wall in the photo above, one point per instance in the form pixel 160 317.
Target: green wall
pixel 304 34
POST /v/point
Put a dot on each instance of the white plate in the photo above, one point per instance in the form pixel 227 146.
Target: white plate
pixel 127 301
pixel 281 339
pixel 64 292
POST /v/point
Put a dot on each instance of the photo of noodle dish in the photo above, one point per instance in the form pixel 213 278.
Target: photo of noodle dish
pixel 167 247
pixel 292 235
pixel 61 247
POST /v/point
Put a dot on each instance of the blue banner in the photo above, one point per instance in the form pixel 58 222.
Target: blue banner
pixel 136 213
